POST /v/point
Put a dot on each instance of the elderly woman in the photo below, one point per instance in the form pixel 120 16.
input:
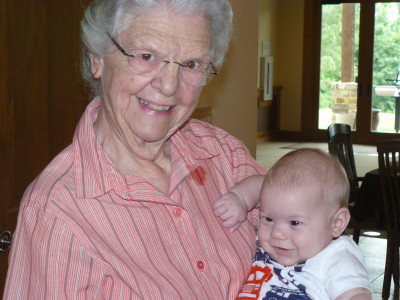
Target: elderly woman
pixel 126 211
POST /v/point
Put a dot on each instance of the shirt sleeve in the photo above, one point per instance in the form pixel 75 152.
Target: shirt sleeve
pixel 47 261
pixel 342 266
pixel 347 272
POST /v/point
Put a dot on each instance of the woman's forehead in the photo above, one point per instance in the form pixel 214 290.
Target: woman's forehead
pixel 169 32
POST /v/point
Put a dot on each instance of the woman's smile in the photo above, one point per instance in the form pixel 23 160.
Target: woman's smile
pixel 155 107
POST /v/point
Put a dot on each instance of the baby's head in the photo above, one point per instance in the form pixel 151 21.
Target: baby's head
pixel 303 205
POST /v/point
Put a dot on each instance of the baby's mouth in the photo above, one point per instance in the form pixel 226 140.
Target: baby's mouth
pixel 282 251
pixel 161 108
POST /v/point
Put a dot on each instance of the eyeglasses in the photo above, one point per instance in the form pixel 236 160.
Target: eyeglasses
pixel 144 63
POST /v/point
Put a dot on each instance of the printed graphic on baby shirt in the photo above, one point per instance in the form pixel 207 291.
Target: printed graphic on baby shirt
pixel 252 287
pixel 268 280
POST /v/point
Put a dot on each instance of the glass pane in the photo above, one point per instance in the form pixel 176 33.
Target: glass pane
pixel 385 98
pixel 339 64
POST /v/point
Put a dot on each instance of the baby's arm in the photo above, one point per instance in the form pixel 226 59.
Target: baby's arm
pixel 232 207
pixel 356 294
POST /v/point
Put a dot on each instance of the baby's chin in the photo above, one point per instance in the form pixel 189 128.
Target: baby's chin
pixel 286 262
pixel 285 257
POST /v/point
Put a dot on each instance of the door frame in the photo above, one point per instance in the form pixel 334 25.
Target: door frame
pixel 311 72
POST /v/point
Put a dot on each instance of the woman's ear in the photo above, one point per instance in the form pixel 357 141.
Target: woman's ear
pixel 340 221
pixel 97 63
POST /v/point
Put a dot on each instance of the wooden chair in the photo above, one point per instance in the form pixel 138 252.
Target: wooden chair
pixel 340 146
pixel 389 173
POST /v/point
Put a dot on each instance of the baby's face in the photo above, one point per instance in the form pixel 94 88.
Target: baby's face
pixel 295 223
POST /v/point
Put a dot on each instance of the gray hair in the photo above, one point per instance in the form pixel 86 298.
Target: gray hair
pixel 103 16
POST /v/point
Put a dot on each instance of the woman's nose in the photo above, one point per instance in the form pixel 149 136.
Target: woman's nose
pixel 167 81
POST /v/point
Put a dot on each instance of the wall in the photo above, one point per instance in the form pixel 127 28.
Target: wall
pixel 289 61
pixel 233 92
pixel 268 26
pixel 267 120
pixel 281 23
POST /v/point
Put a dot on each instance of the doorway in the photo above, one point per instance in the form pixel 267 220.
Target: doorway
pixel 356 65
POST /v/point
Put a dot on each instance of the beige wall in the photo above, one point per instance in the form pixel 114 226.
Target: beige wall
pixel 233 92
pixel 281 23
pixel 289 60
pixel 268 26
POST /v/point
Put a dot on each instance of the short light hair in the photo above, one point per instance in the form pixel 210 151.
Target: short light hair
pixel 305 167
pixel 103 16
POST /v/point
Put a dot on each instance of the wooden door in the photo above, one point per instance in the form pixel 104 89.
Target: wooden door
pixel 41 95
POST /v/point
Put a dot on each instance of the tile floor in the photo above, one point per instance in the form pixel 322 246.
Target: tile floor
pixel 374 249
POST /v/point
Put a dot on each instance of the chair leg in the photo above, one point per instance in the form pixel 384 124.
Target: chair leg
pixel 388 269
pixel 356 234
pixel 396 274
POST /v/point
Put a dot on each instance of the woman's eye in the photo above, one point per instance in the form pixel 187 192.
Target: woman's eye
pixel 147 56
pixel 193 65
pixel 294 223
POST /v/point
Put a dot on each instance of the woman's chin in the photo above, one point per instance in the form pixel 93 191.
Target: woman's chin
pixel 152 137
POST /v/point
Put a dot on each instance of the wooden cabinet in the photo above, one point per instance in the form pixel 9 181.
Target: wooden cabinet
pixel 268 116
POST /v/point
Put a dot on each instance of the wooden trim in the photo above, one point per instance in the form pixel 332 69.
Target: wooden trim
pixel 266 136
pixel 292 136
pixel 311 66
pixel 273 108
pixel 260 101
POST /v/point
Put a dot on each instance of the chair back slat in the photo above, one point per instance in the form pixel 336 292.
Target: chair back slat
pixel 340 145
pixel 389 172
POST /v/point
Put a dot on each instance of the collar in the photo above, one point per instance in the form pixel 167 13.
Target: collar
pixel 96 174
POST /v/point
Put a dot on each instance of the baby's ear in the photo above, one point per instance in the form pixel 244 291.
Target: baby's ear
pixel 340 221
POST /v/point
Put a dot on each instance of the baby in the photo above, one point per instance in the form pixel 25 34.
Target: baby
pixel 301 253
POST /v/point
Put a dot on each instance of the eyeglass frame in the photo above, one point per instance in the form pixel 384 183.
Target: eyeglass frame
pixel 123 51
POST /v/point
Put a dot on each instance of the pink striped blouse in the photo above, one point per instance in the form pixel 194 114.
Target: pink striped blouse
pixel 85 231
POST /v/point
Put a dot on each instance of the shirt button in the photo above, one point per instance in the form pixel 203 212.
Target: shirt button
pixel 200 265
pixel 177 212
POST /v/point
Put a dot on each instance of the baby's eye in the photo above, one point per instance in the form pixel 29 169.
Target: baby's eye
pixel 294 223
pixel 267 219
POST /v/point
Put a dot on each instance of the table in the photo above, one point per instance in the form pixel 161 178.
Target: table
pixel 369 203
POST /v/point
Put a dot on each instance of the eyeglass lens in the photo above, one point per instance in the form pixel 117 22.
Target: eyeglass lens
pixel 150 65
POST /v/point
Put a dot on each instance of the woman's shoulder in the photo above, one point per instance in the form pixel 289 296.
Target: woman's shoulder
pixel 201 130
pixel 55 177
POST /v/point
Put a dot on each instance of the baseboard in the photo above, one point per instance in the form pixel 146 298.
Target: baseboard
pixel 266 136
pixel 292 136
pixel 279 135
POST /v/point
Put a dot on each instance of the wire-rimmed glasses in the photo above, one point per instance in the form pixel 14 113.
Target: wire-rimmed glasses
pixel 194 73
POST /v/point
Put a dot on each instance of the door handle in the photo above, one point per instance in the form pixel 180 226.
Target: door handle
pixel 5 241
